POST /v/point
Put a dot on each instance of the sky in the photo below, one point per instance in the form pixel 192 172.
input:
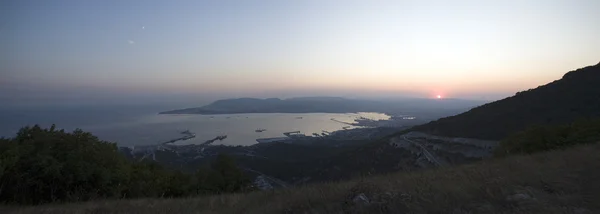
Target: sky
pixel 67 51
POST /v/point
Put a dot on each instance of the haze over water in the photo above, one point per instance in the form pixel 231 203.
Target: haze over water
pixel 149 128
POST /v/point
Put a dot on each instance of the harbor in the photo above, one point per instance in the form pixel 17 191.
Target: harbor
pixel 242 129
pixel 187 135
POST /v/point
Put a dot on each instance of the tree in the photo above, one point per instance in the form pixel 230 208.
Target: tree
pixel 47 165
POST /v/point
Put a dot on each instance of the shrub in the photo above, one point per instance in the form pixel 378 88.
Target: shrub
pixel 544 138
pixel 49 165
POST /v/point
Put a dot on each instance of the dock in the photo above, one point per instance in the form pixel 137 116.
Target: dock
pixel 219 138
pixel 342 122
pixel 293 134
pixel 187 135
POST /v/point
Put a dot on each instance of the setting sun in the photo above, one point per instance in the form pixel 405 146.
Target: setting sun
pixel 439 96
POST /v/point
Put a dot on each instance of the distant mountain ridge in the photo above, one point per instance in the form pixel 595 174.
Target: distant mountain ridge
pixel 575 96
pixel 276 105
pixel 322 105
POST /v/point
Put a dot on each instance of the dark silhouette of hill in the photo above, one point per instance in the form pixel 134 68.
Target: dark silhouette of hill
pixel 575 96
pixel 276 105
pixel 325 105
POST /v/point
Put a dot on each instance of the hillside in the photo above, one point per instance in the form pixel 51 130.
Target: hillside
pixel 575 96
pixel 552 182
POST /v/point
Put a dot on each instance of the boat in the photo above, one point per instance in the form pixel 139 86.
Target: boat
pixel 298 117
pixel 260 130
pixel 294 134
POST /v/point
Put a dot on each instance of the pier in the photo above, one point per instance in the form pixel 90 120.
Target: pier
pixel 190 135
pixel 187 135
pixel 342 122
pixel 292 134
pixel 219 138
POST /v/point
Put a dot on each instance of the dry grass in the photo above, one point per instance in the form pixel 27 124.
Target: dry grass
pixel 554 182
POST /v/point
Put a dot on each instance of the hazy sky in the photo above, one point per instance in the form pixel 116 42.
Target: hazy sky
pixel 468 49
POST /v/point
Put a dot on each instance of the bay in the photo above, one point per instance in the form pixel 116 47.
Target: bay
pixel 128 128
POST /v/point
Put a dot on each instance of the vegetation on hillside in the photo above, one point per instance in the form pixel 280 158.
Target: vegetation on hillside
pixel 48 165
pixel 563 181
pixel 544 138
pixel 575 96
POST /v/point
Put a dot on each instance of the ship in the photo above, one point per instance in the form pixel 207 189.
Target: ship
pixel 260 130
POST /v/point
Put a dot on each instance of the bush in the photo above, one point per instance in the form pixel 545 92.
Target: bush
pixel 544 138
pixel 49 165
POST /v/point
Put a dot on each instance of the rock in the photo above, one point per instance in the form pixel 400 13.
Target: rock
pixel 262 183
pixel 361 199
pixel 518 197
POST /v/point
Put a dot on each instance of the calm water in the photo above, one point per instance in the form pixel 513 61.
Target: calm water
pixel 144 127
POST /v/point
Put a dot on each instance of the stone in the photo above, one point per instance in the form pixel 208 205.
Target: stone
pixel 361 199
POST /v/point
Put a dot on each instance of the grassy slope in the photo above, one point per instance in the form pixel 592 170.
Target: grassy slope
pixel 557 182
